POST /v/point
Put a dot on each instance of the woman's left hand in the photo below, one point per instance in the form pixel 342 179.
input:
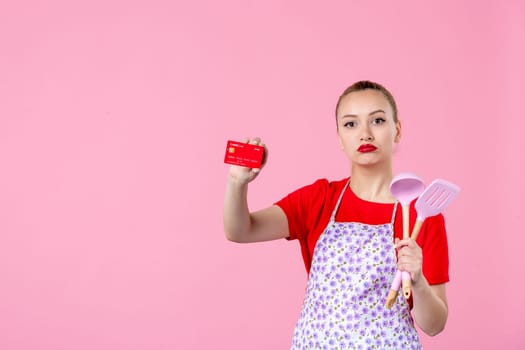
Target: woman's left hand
pixel 409 258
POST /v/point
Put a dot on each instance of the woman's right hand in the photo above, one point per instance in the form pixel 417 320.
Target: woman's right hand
pixel 243 175
pixel 241 225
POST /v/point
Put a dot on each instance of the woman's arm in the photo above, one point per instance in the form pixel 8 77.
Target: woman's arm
pixel 244 227
pixel 430 308
pixel 239 224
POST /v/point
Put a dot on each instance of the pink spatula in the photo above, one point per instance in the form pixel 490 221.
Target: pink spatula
pixel 436 197
pixel 405 187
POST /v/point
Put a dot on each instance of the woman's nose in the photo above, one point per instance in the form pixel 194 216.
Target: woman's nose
pixel 366 135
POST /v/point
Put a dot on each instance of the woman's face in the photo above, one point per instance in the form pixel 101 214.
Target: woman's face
pixel 366 127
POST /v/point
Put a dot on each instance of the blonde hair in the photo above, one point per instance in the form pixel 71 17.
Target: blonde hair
pixel 368 85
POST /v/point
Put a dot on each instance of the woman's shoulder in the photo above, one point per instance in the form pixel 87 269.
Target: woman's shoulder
pixel 320 190
pixel 325 186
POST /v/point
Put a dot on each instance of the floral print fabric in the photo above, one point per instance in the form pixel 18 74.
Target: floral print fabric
pixel 344 307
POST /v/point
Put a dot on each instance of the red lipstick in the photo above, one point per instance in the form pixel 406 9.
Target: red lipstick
pixel 366 148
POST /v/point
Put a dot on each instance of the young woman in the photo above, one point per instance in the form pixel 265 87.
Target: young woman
pixel 350 231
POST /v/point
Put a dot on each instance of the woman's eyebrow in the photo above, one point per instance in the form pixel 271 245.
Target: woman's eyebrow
pixel 371 113
pixel 377 111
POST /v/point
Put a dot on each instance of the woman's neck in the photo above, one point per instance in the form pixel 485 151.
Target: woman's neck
pixel 372 183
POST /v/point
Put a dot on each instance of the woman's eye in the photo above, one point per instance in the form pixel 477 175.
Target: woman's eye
pixel 349 124
pixel 378 121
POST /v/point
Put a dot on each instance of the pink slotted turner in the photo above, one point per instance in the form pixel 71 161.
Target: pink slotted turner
pixel 434 199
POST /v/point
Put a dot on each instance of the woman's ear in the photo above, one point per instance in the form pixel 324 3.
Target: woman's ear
pixel 398 132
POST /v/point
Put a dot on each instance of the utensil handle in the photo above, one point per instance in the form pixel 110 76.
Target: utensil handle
pixel 396 283
pixel 406 224
pixel 417 228
pixel 391 298
pixel 406 284
pixel 392 294
pixel 407 280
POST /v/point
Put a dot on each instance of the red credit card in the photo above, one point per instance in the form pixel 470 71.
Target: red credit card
pixel 244 154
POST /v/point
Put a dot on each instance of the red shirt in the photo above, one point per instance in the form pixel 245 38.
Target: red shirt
pixel 309 208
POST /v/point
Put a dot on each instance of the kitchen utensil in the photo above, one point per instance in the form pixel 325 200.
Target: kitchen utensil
pixel 436 197
pixel 405 187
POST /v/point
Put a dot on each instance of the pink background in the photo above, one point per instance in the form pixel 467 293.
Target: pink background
pixel 114 117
